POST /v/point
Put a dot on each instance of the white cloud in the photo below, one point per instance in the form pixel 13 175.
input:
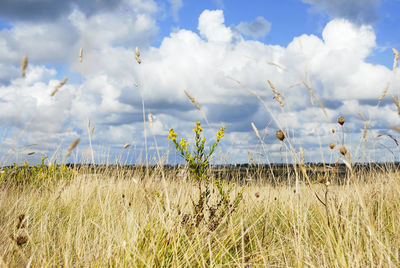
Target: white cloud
pixel 257 28
pixel 211 26
pixel 201 63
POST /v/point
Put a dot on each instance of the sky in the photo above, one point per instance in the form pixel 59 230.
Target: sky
pixel 223 53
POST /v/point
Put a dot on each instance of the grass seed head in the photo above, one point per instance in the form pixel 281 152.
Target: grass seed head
pixel 280 135
pixel 150 117
pixel 81 55
pixel 255 130
pixel 396 58
pixel 137 52
pixel 193 100
pixel 24 65
pixel 341 120
pixel 384 92
pixel 59 86
pixel 73 145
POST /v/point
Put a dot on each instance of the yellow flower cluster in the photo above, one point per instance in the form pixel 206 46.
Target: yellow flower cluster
pixel 198 128
pixel 220 132
pixel 184 143
pixel 172 135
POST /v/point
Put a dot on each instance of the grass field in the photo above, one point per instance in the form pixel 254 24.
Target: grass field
pixel 54 215
pixel 125 218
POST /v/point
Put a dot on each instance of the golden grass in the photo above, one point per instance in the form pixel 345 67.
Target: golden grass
pixel 81 55
pixel 276 93
pixel 385 90
pixel 396 58
pixel 59 85
pixel 73 145
pixel 24 64
pixel 193 100
pixel 108 220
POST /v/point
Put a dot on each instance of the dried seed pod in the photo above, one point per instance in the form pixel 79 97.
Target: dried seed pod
pixel 331 145
pixel 137 52
pixel 24 65
pixel 341 120
pixel 280 135
pixel 21 240
pixel 343 150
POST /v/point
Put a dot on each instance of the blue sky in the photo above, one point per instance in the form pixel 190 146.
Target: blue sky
pixel 345 48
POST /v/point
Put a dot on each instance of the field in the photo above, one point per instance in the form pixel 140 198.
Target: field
pixel 296 214
pixel 126 218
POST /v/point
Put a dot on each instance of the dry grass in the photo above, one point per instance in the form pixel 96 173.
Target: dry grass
pixel 59 85
pixel 109 220
pixel 24 64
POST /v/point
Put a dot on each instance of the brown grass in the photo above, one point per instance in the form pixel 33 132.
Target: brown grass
pixel 60 84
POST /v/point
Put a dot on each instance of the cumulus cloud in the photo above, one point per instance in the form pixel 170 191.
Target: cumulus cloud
pixel 257 28
pixel 58 42
pixel 211 26
pixel 203 62
pixel 358 11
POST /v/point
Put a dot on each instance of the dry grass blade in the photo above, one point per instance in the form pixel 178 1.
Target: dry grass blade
pixel 255 130
pixel 365 131
pixel 81 55
pixel 396 58
pixel 395 128
pixel 251 158
pixel 277 94
pixel 73 145
pixel 193 100
pixel 315 97
pixel 24 65
pixel 58 86
pixel 277 65
pixel 396 101
pixel 390 136
pixel 385 90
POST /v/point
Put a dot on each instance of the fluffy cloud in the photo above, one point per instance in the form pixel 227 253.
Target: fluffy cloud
pixel 259 27
pixel 358 11
pixel 204 63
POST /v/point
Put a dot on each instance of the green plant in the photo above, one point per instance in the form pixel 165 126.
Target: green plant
pixel 198 162
pixel 36 174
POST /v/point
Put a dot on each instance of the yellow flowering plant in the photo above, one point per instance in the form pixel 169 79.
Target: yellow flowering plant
pixel 199 159
pixel 198 162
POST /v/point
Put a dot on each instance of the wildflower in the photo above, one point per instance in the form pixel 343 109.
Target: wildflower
pixel 172 135
pixel 220 133
pixel 184 143
pixel 197 129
